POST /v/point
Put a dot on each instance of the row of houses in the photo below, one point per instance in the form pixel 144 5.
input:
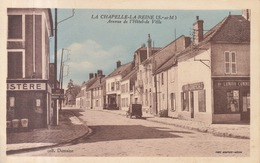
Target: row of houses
pixel 205 78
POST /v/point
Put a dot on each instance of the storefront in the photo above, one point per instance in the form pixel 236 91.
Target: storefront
pixel 193 101
pixel 28 104
pixel 231 100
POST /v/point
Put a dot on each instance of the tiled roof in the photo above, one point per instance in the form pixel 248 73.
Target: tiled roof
pixel 132 74
pixel 168 64
pixel 236 29
pixel 232 29
pixel 172 48
pixel 97 83
pixel 119 70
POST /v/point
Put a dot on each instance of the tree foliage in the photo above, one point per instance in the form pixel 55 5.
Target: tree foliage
pixel 72 92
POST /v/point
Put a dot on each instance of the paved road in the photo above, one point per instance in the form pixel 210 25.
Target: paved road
pixel 115 135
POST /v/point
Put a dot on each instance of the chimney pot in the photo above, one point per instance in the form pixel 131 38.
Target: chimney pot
pixel 91 75
pixel 99 72
pixel 118 64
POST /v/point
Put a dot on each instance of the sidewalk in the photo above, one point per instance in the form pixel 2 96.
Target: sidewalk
pixel 69 129
pixel 224 130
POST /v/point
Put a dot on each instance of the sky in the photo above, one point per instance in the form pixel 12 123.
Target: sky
pixel 92 43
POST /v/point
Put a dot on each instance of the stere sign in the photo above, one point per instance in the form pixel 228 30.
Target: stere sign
pixel 26 86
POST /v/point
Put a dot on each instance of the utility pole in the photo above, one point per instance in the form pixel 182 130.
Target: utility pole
pixel 55 111
pixel 61 77
pixel 55 107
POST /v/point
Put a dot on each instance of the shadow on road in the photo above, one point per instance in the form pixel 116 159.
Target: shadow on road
pixel 129 132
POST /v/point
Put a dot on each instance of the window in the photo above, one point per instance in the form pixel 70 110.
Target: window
pixel 96 103
pixel 126 87
pixel 226 101
pixel 233 101
pixel 15 65
pixel 230 62
pixel 162 79
pixel 38 102
pixel 172 75
pixel 185 101
pixel 146 97
pixel 117 85
pixel 15 27
pixel 112 86
pixel 12 99
pixel 173 102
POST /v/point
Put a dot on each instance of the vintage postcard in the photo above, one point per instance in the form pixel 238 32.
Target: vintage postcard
pixel 129 81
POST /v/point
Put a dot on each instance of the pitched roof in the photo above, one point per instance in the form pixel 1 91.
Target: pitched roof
pixel 119 70
pixel 232 29
pixel 235 29
pixel 132 74
pixel 169 50
pixel 97 83
pixel 168 64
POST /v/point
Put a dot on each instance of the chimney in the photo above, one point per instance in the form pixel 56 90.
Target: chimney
pixel 149 46
pixel 99 72
pixel 197 31
pixel 91 75
pixel 246 14
pixel 118 64
pixel 95 75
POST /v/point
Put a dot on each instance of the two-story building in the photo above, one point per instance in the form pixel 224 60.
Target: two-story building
pixel 96 91
pixel 113 91
pixel 28 87
pixel 166 75
pixel 214 73
pixel 127 89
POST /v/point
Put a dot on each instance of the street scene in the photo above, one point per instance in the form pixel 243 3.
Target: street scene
pixel 126 83
pixel 110 133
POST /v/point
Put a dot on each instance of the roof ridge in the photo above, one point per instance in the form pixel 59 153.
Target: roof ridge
pixel 221 24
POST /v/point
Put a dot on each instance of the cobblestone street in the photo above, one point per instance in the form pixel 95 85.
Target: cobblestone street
pixel 115 135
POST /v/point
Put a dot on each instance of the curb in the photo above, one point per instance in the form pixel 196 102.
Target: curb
pixel 203 129
pixel 89 131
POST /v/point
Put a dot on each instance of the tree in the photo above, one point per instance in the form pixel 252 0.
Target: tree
pixel 71 93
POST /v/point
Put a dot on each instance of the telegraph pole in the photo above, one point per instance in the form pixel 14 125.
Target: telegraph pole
pixel 55 111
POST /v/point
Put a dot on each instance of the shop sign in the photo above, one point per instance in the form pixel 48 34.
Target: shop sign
pixel 57 94
pixel 232 83
pixel 26 86
pixel 193 86
pixel 57 91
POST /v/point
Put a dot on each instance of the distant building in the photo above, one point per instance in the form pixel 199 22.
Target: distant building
pixel 81 97
pixel 96 92
pixel 28 85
